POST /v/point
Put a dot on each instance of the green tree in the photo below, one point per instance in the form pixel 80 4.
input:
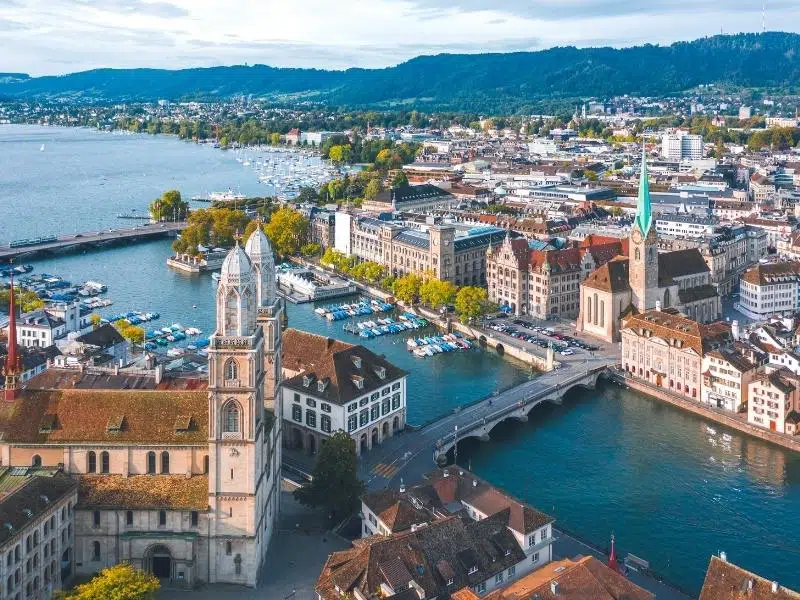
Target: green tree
pixel 310 250
pixel 169 207
pixel 335 485
pixel 339 153
pixel 407 288
pixel 25 300
pixel 400 179
pixel 373 188
pixel 120 582
pixel 132 333
pixel 275 139
pixel 470 302
pixel 287 230
pixel 436 293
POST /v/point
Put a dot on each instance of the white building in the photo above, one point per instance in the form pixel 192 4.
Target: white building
pixel 333 386
pixel 726 376
pixel 773 402
pixel 770 290
pixel 682 146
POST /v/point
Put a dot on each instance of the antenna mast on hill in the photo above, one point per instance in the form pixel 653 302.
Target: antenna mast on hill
pixel 763 16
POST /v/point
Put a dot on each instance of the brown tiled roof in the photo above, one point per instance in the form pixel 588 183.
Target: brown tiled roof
pixel 602 253
pixel 737 361
pixel 559 261
pixel 33 490
pixel 395 510
pixel 302 350
pixel 771 273
pixel 670 325
pixel 143 492
pixel 726 581
pixel 337 366
pixel 77 415
pixel 582 578
pixel 680 263
pixel 611 277
pixel 59 379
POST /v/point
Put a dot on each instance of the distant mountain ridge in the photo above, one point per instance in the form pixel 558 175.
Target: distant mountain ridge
pixel 453 81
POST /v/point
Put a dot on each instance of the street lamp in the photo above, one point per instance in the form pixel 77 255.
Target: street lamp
pixel 455 445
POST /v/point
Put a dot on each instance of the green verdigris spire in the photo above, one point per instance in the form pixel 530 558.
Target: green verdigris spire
pixel 644 214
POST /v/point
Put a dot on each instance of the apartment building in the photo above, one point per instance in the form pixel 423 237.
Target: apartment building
pixel 774 401
pixel 682 146
pixel 411 197
pixel 726 377
pixel 770 290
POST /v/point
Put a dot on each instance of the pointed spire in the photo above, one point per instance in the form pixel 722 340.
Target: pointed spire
pixel 644 215
pixel 11 368
pixel 612 556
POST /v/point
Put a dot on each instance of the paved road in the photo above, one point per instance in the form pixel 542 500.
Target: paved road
pixel 93 237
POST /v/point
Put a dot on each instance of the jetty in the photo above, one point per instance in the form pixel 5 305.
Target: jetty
pixel 88 240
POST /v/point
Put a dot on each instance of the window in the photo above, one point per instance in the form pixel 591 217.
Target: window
pixel 325 407
pixel 375 396
pixel 96 518
pixel 129 517
pixel 499 577
pixel 151 463
pixel 364 417
pixel 325 423
pixel 311 418
pixel 104 462
pixel 95 550
pixel 535 557
pixel 231 369
pixel 36 461
pixel 352 423
pixel 296 397
pixel 311 402
pixel 228 548
pixel 385 391
pixel 91 462
pixel 195 518
pixel 297 414
pixel 385 407
pixel 512 570
pixel 165 462
pixel 376 412
pixel 352 407
pixel 205 464
pixel 230 417
pixel 395 401
pixel 396 386
pixel 162 518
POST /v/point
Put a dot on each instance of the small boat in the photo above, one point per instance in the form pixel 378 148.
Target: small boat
pixel 41 148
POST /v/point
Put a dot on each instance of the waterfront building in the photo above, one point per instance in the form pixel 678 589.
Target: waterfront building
pixel 42 327
pixel 451 252
pixel 726 377
pixel 727 581
pixel 645 279
pixel 578 578
pixel 768 290
pixel 105 344
pixel 666 349
pixel 411 197
pixel 38 534
pixel 178 476
pixel 335 386
pixel 323 228
pixel 774 401
pixel 451 532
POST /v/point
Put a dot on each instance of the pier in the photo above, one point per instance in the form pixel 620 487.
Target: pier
pixel 92 239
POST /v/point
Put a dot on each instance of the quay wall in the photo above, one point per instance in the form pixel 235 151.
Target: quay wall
pixel 728 420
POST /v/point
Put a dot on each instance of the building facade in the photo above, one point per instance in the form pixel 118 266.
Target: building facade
pixel 770 290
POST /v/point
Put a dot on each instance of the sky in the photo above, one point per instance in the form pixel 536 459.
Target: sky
pixel 44 37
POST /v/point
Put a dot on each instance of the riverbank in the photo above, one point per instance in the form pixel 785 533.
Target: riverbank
pixel 723 418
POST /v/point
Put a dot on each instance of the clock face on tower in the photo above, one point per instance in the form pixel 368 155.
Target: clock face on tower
pixel 637 236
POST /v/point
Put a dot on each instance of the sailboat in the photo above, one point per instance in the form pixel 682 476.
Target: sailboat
pixel 41 149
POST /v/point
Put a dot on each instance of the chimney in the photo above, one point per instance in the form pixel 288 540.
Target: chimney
pixel 775 587
pixel 735 329
pixel 658 305
pixel 723 557
pixel 554 588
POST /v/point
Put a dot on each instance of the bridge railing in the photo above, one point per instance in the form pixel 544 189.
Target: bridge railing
pixel 462 431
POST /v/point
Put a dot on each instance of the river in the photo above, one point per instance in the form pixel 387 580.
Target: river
pixel 609 460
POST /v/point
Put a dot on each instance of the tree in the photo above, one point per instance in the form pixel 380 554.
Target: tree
pixel 132 333
pixel 120 582
pixel 400 180
pixel 470 302
pixel 170 207
pixel 436 293
pixel 335 485
pixel 275 139
pixel 26 300
pixel 310 250
pixel 373 188
pixel 287 230
pixel 407 287
pixel 339 153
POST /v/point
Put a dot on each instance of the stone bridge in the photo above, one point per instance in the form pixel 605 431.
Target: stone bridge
pixel 481 427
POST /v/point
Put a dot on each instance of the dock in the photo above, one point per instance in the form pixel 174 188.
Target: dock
pixel 91 239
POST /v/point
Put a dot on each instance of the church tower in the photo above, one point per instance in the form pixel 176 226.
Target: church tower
pixel 643 251
pixel 236 428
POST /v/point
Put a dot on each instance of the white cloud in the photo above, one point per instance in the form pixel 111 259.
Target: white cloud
pixel 58 36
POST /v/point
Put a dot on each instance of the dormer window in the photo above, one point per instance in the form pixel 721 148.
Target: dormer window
pixel 356 361
pixel 322 385
pixel 358 381
pixel 380 372
pixel 508 552
pixel 308 380
pixel 472 569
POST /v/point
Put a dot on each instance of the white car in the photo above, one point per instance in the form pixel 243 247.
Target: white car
pixel 567 353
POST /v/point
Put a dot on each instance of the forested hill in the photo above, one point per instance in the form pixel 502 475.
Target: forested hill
pixel 510 81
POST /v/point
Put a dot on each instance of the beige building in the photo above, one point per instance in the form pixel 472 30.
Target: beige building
pixel 774 401
pixel 726 376
pixel 411 197
pixel 666 349
pixel 646 279
pixel 177 476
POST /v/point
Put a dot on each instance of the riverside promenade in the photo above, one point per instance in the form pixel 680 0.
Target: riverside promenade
pixel 93 239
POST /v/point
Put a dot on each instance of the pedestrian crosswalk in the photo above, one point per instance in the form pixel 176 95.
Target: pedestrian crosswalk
pixel 384 470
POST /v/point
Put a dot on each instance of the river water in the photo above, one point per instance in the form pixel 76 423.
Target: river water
pixel 609 460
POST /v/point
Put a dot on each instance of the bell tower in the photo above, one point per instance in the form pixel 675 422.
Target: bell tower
pixel 236 423
pixel 643 255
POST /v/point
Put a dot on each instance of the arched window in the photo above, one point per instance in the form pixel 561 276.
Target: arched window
pixel 165 462
pixel 230 417
pixel 95 550
pixel 666 298
pixel 36 461
pixel 205 465
pixel 91 466
pixel 104 462
pixel 151 463
pixel 231 369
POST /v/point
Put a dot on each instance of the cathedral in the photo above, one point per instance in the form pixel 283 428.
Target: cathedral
pixel 179 476
pixel 646 279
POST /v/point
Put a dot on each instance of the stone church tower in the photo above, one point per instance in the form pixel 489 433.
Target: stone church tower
pixel 644 249
pixel 243 455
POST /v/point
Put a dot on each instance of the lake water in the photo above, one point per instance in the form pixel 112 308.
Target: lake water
pixel 608 460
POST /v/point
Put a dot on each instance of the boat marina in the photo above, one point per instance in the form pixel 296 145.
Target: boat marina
pixel 366 307
pixel 423 347
pixel 301 285
pixel 386 326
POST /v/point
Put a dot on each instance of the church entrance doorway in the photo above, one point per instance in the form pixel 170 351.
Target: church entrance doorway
pixel 159 562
